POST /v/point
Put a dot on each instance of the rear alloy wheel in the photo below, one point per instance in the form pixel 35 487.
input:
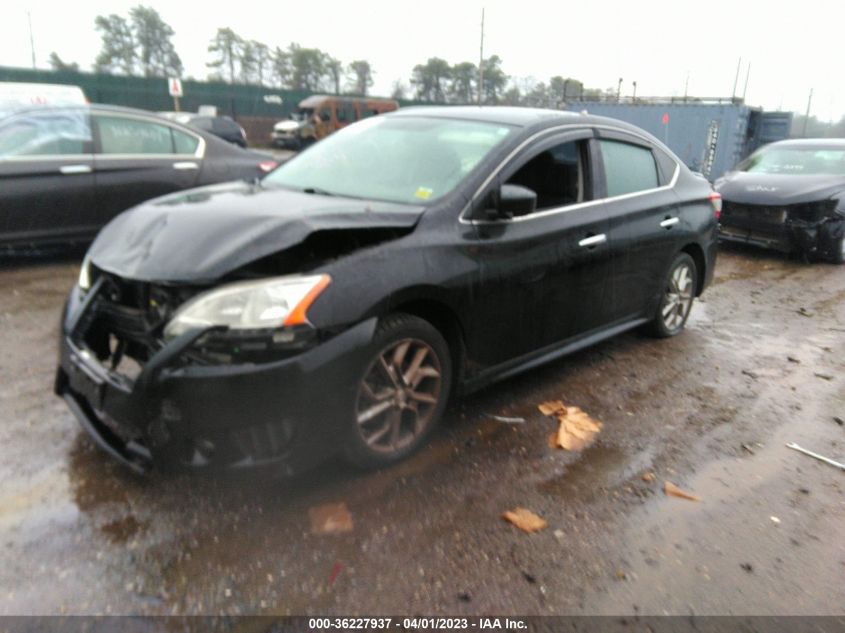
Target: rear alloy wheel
pixel 676 303
pixel 402 392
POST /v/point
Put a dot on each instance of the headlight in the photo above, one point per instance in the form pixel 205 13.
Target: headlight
pixel 250 305
pixel 85 274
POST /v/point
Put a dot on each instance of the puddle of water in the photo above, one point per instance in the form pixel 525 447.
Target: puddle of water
pixel 598 468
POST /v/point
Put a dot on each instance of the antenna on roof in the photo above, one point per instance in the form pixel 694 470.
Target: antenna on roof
pixel 747 74
pixel 736 79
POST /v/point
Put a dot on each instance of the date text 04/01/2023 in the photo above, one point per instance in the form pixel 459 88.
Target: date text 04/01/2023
pixel 417 623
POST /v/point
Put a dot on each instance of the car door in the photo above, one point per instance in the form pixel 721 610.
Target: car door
pixel 46 179
pixel 545 276
pixel 643 213
pixel 137 158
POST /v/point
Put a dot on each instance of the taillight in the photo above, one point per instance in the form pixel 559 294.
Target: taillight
pixel 716 200
pixel 267 166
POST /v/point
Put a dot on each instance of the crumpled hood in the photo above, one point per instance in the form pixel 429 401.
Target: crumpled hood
pixel 778 189
pixel 202 234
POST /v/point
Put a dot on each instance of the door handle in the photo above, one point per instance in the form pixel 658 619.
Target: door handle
pixel 185 165
pixel 669 223
pixel 75 169
pixel 593 240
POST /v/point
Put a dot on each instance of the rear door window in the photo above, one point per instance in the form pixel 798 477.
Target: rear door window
pixel 119 135
pixel 628 168
pixel 184 143
pixel 65 133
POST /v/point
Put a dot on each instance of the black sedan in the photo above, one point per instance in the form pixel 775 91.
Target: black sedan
pixel 66 171
pixel 789 196
pixel 335 305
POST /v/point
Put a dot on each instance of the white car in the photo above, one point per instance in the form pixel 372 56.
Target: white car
pixel 17 96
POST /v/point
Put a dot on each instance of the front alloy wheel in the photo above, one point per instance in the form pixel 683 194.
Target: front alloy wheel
pixel 677 298
pixel 402 392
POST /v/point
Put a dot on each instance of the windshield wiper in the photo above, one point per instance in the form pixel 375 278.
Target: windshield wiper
pixel 317 190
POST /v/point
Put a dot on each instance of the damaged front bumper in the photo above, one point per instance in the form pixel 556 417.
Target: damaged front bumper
pixel 288 413
pixel 813 230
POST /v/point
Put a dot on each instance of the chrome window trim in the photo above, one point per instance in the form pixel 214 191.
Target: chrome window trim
pixel 570 207
pixel 42 157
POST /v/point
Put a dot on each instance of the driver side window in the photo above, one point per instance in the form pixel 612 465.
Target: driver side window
pixel 556 175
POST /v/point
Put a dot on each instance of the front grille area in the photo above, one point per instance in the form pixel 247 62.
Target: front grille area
pixel 124 323
pixel 753 216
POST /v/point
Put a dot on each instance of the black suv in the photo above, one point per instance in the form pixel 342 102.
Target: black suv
pixel 221 126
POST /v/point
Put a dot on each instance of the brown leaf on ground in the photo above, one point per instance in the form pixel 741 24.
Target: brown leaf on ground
pixel 648 477
pixel 577 430
pixel 525 520
pixel 553 407
pixel 673 491
pixel 330 518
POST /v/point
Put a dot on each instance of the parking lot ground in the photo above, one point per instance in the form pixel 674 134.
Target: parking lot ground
pixel 761 364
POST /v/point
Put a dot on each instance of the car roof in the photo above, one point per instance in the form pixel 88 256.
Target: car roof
pixel 110 109
pixel 98 107
pixel 535 118
pixel 833 143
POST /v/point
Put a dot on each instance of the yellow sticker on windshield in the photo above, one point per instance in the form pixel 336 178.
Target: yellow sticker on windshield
pixel 423 193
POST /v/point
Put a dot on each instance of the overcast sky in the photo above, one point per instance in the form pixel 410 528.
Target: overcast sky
pixel 657 43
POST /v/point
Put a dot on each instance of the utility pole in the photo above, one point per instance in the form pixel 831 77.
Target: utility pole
pixel 736 79
pixel 747 74
pixel 686 88
pixel 634 98
pixel 481 60
pixel 619 90
pixel 807 116
pixel 31 38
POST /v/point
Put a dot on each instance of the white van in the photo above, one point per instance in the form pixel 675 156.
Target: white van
pixel 17 96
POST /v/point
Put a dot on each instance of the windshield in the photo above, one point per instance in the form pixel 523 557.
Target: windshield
pixel 797 160
pixel 302 114
pixel 401 159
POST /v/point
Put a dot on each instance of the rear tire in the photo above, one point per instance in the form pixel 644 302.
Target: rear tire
pixel 401 393
pixel 679 289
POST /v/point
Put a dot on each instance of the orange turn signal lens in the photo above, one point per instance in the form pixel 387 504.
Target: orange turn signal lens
pixel 298 316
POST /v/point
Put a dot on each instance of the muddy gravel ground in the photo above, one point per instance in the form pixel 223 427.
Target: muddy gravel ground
pixel 762 363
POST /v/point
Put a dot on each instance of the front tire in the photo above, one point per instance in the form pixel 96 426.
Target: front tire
pixel 679 289
pixel 401 393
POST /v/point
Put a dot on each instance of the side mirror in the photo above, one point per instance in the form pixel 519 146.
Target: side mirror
pixel 511 201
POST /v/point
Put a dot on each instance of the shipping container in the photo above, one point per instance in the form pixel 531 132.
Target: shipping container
pixel 709 137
